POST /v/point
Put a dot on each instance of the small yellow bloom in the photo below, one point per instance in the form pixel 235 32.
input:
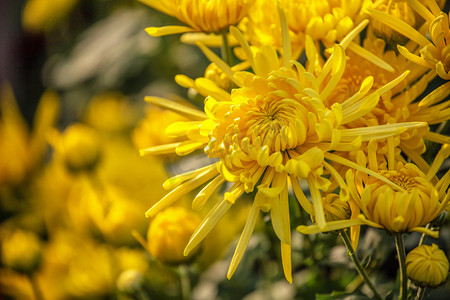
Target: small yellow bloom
pixel 427 266
pixel 400 210
pixel 199 15
pixel 334 208
pixel 110 112
pixel 21 250
pixel 43 15
pixel 169 233
pixel 79 147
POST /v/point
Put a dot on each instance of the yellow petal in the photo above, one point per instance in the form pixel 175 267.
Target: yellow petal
pixel 243 240
pixel 207 225
pixel 167 30
pixel 178 108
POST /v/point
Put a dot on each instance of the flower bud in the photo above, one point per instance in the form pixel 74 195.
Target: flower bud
pixel 80 148
pixel 334 208
pixel 427 266
pixel 400 10
pixel 21 251
pixel 169 233
pixel 396 210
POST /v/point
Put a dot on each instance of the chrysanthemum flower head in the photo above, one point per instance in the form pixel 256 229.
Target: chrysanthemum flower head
pixel 21 250
pixel 427 266
pixel 78 146
pixel 199 15
pixel 334 208
pixel 397 211
pixel 324 20
pixel 169 233
pixel 404 199
pixel 271 130
pixel 44 15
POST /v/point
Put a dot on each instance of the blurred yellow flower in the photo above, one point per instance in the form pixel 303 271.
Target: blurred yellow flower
pixel 110 113
pixel 372 62
pixel 147 133
pixel 432 54
pixel 199 15
pixel 22 149
pixel 169 233
pixel 271 130
pixel 427 266
pixel 78 146
pixel 44 15
pixel 21 250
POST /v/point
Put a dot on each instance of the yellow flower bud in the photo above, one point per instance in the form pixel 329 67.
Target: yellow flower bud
pixel 21 250
pixel 397 211
pixel 169 233
pixel 400 10
pixel 334 208
pixel 427 266
pixel 80 148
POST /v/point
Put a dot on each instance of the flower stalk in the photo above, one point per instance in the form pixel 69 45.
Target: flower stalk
pixel 420 293
pixel 35 286
pixel 185 282
pixel 226 49
pixel 400 246
pixel 358 265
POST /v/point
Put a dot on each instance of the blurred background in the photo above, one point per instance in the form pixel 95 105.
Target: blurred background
pixel 74 190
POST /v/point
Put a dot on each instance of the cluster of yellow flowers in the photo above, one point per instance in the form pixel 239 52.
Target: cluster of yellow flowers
pixel 340 94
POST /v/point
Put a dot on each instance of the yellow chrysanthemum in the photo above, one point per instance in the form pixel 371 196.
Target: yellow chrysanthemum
pixel 200 15
pixel 416 199
pixel 78 146
pixel 334 208
pixel 169 232
pixel 427 266
pixel 21 250
pixel 43 15
pixel 272 130
pixel 434 54
pixel 324 20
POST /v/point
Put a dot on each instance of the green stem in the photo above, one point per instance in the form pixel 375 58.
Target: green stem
pixel 35 287
pixel 400 246
pixel 422 238
pixel 185 282
pixel 226 49
pixel 357 263
pixel 420 293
